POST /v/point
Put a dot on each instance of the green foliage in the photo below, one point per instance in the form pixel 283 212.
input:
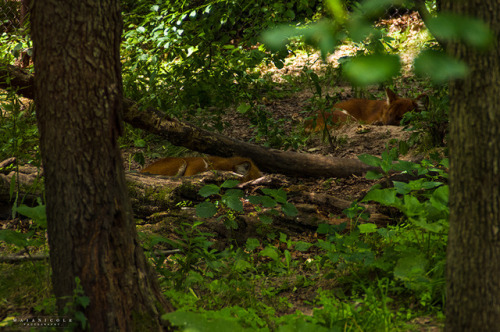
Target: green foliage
pixel 430 127
pixel 74 306
pixel 182 55
pixel 230 203
pixel 377 67
pixel 193 247
pixel 11 46
pixel 18 130
pixel 268 131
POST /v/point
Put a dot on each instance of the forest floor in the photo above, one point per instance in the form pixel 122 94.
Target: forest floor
pixel 353 140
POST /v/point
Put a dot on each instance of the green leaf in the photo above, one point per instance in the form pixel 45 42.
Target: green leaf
pixel 16 238
pixel 402 188
pixel 270 252
pixel 243 108
pixel 289 209
pixel 383 196
pixel 233 202
pixel 208 190
pixel 367 228
pixel 373 175
pixel 440 197
pixel 206 210
pixel 265 219
pixel 231 184
pixel 413 207
pixel 410 266
pixel 267 202
pixel 451 27
pixel 439 67
pixel 337 9
pixel 277 37
pixel 37 214
pixel 197 322
pixel 252 244
pixel 372 69
pixel 370 160
pixel 241 265
pixel 302 246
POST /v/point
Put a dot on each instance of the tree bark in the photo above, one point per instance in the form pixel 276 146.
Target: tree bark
pixel 91 231
pixel 473 257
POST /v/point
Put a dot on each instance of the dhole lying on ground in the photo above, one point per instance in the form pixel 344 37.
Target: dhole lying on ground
pixel 386 112
pixel 186 166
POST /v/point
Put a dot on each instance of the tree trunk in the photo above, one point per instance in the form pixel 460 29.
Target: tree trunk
pixel 473 257
pixel 91 230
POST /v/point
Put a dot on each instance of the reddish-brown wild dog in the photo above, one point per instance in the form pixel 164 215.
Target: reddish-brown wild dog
pixel 186 166
pixel 386 112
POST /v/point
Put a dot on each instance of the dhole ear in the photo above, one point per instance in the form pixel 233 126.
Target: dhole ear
pixel 242 168
pixel 391 96
pixel 182 168
pixel 422 101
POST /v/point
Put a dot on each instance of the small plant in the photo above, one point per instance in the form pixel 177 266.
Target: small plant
pixel 73 307
pixel 230 202
pixel 193 246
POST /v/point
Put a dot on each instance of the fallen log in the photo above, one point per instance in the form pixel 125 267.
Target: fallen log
pixel 197 139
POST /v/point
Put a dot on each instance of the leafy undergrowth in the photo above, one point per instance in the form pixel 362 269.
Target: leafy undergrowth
pixel 344 275
pixel 352 276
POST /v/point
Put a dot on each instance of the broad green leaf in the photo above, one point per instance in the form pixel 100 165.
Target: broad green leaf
pixel 402 188
pixel 370 160
pixel 383 196
pixel 337 9
pixel 372 69
pixel 439 67
pixel 234 192
pixel 265 219
pixel 231 184
pixel 277 38
pixel 410 266
pixel 37 214
pixel 302 246
pixel 233 202
pixel 451 27
pixel 373 175
pixel 241 265
pixel 270 252
pixel 243 108
pixel 12 237
pixel 206 210
pixel 208 190
pixel 367 228
pixel 434 227
pixel 289 209
pixel 440 197
pixel 252 244
pixel 268 202
pixel 412 206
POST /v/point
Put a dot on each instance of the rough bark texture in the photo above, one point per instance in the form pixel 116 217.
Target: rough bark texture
pixel 473 262
pixel 91 231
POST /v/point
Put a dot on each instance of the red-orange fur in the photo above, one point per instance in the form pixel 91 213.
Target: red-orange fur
pixel 187 166
pixel 387 112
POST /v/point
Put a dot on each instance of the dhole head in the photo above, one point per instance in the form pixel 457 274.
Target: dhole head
pixel 397 107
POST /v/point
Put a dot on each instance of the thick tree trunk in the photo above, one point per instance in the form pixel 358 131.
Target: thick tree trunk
pixel 91 231
pixel 473 261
